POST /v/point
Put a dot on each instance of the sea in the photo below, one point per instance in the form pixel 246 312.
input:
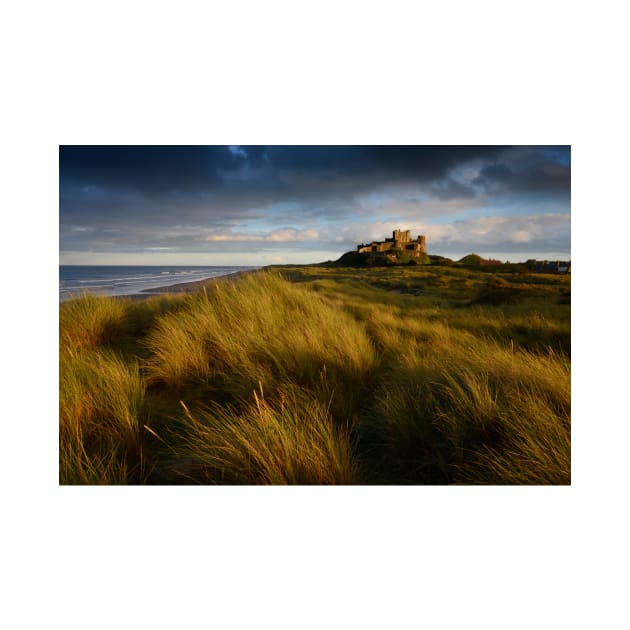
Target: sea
pixel 110 280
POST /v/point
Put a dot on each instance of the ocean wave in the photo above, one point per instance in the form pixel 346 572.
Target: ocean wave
pixel 134 284
pixel 143 277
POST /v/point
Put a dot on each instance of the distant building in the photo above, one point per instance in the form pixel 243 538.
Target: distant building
pixel 490 261
pixel 549 266
pixel 400 241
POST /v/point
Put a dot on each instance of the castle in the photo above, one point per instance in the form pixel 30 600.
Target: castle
pixel 400 241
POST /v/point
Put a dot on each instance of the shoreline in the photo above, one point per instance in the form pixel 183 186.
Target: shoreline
pixel 189 287
pixel 177 288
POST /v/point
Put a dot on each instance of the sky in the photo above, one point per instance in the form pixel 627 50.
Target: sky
pixel 260 205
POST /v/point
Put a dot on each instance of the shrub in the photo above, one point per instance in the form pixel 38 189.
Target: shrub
pixel 497 291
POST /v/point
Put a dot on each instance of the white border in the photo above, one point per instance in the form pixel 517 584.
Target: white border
pixel 344 73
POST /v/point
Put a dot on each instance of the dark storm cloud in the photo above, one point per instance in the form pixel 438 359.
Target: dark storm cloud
pixel 145 169
pixel 423 162
pixel 310 171
pixel 289 171
pixel 527 171
pixel 117 198
pixel 154 169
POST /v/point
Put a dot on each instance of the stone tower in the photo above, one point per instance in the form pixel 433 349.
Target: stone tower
pixel 401 240
pixel 401 236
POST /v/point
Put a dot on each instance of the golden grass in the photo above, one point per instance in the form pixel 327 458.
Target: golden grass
pixel 90 321
pixel 456 403
pixel 369 376
pixel 100 405
pixel 262 329
pixel 292 440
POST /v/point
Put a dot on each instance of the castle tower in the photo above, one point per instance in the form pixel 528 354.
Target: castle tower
pixel 401 240
pixel 401 236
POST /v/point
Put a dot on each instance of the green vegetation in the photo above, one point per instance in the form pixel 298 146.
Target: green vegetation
pixel 471 259
pixel 322 374
pixel 379 259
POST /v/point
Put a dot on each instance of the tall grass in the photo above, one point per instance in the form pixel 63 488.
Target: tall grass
pixel 263 330
pixel 100 408
pixel 292 440
pixel 90 321
pixel 464 409
pixel 377 376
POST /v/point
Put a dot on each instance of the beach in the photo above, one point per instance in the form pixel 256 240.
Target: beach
pixel 190 287
pixel 137 281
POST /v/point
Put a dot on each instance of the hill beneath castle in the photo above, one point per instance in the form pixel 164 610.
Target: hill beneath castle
pixel 380 259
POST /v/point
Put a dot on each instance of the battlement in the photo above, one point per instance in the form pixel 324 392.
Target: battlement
pixel 400 241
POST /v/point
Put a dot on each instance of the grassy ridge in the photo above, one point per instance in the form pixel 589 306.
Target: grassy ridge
pixel 321 375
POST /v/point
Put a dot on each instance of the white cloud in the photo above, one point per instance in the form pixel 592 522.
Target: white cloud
pixel 469 234
pixel 284 235
pixel 288 235
pixel 521 236
pixel 490 231
pixel 233 237
pixel 413 202
pixel 78 228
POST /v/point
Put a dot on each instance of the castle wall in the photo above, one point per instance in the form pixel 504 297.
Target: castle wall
pixel 401 240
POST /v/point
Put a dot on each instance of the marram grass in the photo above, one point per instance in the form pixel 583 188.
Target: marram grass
pixel 290 441
pixel 89 321
pixel 100 409
pixel 321 376
pixel 262 330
